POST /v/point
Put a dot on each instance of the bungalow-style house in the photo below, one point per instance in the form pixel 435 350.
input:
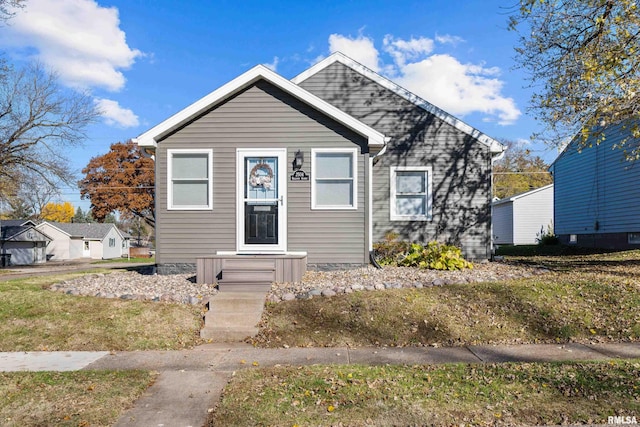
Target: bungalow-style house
pixel 91 240
pixel 21 243
pixel 521 219
pixel 596 193
pixel 310 172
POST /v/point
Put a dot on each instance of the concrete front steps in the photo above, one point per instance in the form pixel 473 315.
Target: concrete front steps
pixel 233 315
pixel 235 311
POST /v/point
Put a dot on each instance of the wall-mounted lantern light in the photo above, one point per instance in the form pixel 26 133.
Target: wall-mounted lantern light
pixel 298 160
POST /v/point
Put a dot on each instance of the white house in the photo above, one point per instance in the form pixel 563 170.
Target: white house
pixel 519 219
pixel 92 240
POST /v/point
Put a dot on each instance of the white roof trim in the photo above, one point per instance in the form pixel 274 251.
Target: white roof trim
pixel 521 195
pixel 151 137
pixel 494 145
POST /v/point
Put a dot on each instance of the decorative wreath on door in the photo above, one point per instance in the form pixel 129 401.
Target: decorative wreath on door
pixel 261 175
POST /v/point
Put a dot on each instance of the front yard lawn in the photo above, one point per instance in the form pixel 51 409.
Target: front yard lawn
pixel 84 398
pixel 34 319
pixel 477 395
pixel 583 298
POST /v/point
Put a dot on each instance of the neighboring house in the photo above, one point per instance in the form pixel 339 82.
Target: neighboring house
pixel 596 192
pixel 21 243
pixel 319 167
pixel 521 219
pixel 91 240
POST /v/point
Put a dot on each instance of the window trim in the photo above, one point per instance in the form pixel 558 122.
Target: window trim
pixel 170 205
pixel 354 178
pixel 393 215
pixel 633 238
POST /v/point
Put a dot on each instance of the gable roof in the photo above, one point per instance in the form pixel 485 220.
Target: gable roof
pixel 521 195
pixel 16 222
pixel 494 146
pixel 151 137
pixel 91 231
pixel 11 232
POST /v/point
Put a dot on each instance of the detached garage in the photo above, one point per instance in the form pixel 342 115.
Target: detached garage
pixel 21 243
pixel 519 219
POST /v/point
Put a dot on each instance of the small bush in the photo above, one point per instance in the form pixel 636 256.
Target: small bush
pixel 434 256
pixel 390 250
pixel 548 237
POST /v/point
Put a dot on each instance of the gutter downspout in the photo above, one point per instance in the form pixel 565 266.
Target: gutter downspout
pixel 371 163
pixel 494 158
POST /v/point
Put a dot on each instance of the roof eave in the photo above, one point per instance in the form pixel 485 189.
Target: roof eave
pixel 150 138
pixel 495 147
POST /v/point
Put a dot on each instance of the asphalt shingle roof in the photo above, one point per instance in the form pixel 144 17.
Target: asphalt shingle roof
pixel 86 230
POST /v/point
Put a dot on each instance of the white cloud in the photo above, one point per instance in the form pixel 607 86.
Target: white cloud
pixel 274 65
pixel 441 79
pixel 404 50
pixel 449 39
pixel 114 114
pixel 79 39
pixel 360 49
pixel 458 88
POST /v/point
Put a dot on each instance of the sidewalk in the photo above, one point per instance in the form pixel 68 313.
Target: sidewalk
pixel 191 381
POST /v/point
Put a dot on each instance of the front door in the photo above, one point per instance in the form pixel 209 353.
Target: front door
pixel 261 200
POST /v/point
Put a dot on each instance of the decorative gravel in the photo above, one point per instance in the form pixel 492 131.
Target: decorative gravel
pixel 181 288
pixel 330 283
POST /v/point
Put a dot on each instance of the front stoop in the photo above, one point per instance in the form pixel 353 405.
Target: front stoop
pixel 233 316
pixel 246 279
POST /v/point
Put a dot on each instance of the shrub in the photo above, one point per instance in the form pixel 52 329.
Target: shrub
pixel 434 256
pixel 390 250
pixel 548 237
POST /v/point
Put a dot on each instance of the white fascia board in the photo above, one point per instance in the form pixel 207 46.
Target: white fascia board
pixel 494 146
pixel 150 138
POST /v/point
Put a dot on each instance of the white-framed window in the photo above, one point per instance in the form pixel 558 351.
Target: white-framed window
pixel 334 183
pixel 410 193
pixel 573 239
pixel 190 176
pixel 112 242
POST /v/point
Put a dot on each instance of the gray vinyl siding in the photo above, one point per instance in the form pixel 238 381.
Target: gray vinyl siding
pixel 262 116
pixel 596 189
pixel 461 166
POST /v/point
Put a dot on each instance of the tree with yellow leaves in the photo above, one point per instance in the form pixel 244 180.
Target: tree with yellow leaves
pixel 584 65
pixel 58 212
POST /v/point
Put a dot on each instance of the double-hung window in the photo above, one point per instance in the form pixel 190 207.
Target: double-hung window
pixel 410 198
pixel 190 179
pixel 334 184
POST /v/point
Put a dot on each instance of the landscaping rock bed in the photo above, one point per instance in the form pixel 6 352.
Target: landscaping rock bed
pixel 330 283
pixel 181 288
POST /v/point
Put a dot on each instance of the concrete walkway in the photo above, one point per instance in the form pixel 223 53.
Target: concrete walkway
pixel 191 381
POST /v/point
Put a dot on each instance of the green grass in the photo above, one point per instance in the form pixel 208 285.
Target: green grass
pixel 32 319
pixel 489 394
pixel 583 298
pixel 84 398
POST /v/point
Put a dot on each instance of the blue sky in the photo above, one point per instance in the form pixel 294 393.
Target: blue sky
pixel 144 60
